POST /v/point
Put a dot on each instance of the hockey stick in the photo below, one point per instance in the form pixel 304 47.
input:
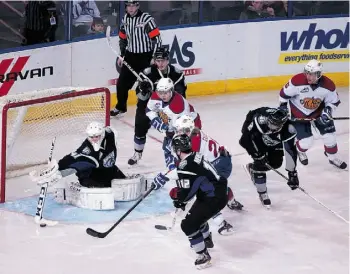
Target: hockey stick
pixel 42 196
pixel 97 234
pixel 163 227
pixel 312 119
pixel 108 36
pixel 306 193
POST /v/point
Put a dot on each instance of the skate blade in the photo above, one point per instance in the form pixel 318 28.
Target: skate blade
pixel 226 233
pixel 203 266
pixel 267 206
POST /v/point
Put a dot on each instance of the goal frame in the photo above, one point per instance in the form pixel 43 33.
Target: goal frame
pixel 70 93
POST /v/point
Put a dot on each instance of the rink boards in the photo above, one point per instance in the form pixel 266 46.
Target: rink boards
pixel 216 59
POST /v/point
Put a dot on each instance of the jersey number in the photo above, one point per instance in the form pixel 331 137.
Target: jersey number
pixel 213 148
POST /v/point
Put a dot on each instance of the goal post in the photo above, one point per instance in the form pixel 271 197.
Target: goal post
pixel 29 122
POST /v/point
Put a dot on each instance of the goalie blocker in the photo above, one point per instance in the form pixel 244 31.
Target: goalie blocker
pixel 88 177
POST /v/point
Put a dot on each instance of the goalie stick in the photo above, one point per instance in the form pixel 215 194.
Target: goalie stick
pixel 97 234
pixel 42 196
pixel 306 193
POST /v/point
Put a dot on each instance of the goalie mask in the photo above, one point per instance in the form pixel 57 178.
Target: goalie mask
pixel 276 119
pixel 95 132
pixel 165 89
pixel 313 71
pixel 184 124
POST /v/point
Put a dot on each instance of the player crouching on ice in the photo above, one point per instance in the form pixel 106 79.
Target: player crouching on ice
pixel 312 99
pixel 264 134
pixel 88 177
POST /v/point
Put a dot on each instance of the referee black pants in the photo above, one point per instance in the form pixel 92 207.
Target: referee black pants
pixel 138 61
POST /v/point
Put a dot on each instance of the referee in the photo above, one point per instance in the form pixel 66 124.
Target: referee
pixel 139 38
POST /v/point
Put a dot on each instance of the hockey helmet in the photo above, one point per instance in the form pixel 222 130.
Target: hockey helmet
pixel 184 124
pixel 161 53
pixel 314 67
pixel 95 132
pixel 165 85
pixel 276 119
pixel 181 143
pixel 129 2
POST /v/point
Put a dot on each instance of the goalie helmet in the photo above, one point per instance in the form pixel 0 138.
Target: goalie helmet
pixel 181 143
pixel 184 124
pixel 314 67
pixel 276 119
pixel 95 132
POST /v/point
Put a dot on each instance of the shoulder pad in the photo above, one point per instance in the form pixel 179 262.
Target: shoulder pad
pixel 327 83
pixel 299 80
pixel 177 70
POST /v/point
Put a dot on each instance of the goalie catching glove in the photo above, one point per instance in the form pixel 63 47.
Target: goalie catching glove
pixel 49 175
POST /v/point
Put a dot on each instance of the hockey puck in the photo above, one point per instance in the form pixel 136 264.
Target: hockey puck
pixel 42 225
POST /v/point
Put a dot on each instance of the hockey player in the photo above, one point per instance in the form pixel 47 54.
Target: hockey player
pixel 312 96
pixel 217 155
pixel 163 108
pixel 151 75
pixel 197 177
pixel 98 180
pixel 264 134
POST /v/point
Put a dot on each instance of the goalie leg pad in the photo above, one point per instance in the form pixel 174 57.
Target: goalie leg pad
pixel 128 189
pixel 90 198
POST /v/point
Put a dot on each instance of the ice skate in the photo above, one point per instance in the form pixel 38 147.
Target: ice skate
pixel 265 200
pixel 209 241
pixel 203 260
pixel 303 158
pixel 336 162
pixel 225 229
pixel 135 158
pixel 117 113
pixel 234 205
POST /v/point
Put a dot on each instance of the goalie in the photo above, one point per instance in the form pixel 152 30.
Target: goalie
pixel 88 177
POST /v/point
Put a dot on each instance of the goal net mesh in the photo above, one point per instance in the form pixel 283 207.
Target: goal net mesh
pixel 31 120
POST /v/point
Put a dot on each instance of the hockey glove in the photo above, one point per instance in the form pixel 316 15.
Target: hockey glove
pixel 174 195
pixel 284 107
pixel 293 181
pixel 326 116
pixel 159 125
pixel 159 181
pixel 145 87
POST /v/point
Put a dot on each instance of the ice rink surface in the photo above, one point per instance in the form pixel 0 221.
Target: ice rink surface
pixel 295 236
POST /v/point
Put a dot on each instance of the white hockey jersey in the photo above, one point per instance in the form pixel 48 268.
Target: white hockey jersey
pixel 169 112
pixel 308 101
pixel 206 146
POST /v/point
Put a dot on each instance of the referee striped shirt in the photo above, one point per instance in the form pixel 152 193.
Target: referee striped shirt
pixel 139 34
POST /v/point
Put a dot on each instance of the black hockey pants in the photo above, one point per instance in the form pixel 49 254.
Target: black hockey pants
pixel 138 61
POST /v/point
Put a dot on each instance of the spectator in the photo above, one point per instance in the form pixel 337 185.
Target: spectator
pixel 84 12
pixel 254 10
pixel 97 26
pixel 277 8
pixel 40 22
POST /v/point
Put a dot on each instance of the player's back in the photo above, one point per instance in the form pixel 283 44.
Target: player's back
pixel 204 144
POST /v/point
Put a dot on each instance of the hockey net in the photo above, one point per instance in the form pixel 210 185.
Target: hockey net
pixel 30 121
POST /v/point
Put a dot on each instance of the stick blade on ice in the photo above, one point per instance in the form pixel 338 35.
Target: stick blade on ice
pixel 94 233
pixel 161 227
